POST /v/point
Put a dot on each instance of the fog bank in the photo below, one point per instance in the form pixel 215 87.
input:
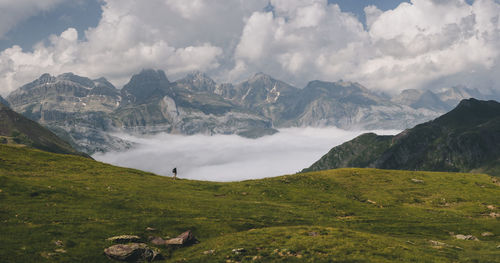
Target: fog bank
pixel 230 157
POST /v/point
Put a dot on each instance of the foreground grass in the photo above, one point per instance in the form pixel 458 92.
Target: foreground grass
pixel 345 215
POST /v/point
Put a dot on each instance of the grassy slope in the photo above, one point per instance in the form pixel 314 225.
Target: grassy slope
pixel 47 197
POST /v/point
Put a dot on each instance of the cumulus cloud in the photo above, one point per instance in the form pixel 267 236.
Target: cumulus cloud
pixel 415 45
pixel 408 47
pixel 230 157
pixel 176 36
pixel 300 41
pixel 17 11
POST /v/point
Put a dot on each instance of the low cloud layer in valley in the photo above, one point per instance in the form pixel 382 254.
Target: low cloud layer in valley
pixel 230 157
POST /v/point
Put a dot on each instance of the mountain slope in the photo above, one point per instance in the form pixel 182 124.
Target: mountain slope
pixel 419 99
pixel 346 215
pixel 17 129
pixel 187 106
pixel 464 139
pixel 74 107
pixel 4 101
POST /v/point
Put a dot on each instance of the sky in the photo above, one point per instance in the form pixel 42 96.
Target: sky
pixel 224 158
pixel 384 45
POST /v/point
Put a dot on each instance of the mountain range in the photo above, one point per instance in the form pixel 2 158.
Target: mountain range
pixel 87 112
pixel 466 139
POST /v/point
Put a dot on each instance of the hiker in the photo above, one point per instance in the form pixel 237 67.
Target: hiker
pixel 174 171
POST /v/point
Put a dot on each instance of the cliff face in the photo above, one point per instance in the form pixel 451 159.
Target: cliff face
pixel 464 139
pixel 75 108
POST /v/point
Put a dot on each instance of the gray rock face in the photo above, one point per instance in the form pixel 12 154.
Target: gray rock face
pixel 188 106
pixel 72 105
pixel 183 239
pixel 349 105
pixel 144 85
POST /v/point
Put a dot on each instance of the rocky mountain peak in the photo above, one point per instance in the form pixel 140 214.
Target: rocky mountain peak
pixel 45 78
pixel 103 82
pixel 470 112
pixel 141 86
pixel 198 81
pixel 69 76
pixel 104 87
pixel 260 76
pixel 340 87
pixel 150 75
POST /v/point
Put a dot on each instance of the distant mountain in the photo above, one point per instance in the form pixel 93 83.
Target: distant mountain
pixel 452 96
pixel 464 139
pixel 17 129
pixel 75 108
pixel 422 99
pixel 342 104
pixel 87 111
pixel 349 105
pixel 187 106
pixel 443 100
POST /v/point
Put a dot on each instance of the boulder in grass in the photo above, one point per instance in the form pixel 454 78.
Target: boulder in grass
pixel 466 237
pixel 157 241
pixel 133 252
pixel 123 239
pixel 184 239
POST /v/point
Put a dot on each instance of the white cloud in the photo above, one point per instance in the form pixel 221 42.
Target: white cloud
pixel 303 40
pixel 418 43
pixel 14 12
pixel 230 157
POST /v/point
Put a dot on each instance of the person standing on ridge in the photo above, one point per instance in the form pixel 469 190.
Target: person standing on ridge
pixel 174 171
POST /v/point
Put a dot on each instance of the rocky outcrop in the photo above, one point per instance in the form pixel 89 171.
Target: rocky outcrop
pixel 184 239
pixel 466 237
pixel 133 252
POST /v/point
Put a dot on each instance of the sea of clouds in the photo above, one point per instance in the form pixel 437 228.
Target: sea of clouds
pixel 225 158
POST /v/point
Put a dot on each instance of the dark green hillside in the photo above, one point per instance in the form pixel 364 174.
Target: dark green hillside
pixel 4 102
pixel 61 208
pixel 359 152
pixel 462 140
pixel 15 128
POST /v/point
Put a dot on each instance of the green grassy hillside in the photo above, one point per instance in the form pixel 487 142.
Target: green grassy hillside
pixel 17 129
pixel 466 139
pixel 345 215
